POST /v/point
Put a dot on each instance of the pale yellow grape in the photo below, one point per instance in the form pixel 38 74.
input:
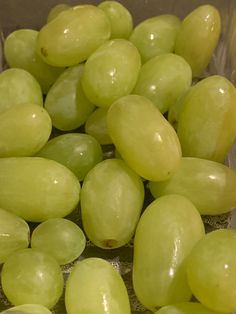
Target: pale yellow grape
pixel 27 309
pixel 24 130
pixel 56 10
pixel 166 233
pixel 37 189
pixel 186 308
pixel 94 286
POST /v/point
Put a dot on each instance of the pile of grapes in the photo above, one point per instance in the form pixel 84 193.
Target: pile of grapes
pixel 114 123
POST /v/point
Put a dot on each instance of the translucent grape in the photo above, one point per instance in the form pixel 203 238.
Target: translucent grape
pixel 164 79
pixel 37 189
pixel 78 152
pixel 94 286
pixel 108 76
pixel 17 87
pixel 166 233
pixel 120 19
pixel 144 138
pixel 111 202
pixel 186 308
pixel 20 52
pixel 23 130
pixel 32 276
pixel 71 37
pixel 56 10
pixel 211 270
pixel 14 234
pixel 96 125
pixel 198 37
pixel 155 35
pixel 66 103
pixel 209 185
pixel 207 120
pixel 59 237
pixel 28 309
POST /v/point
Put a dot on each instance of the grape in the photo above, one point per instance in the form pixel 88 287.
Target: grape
pixel 71 37
pixel 207 121
pixel 66 102
pixel 56 10
pixel 166 233
pixel 20 52
pixel 23 130
pixel 175 110
pixel 14 234
pixel 17 87
pixel 107 76
pixel 209 185
pixel 186 308
pixel 164 79
pixel 120 19
pixel 96 125
pixel 155 35
pixel 32 276
pixel 78 152
pixel 111 202
pixel 211 270
pixel 144 138
pixel 28 309
pixel 37 189
pixel 94 286
pixel 59 237
pixel 198 36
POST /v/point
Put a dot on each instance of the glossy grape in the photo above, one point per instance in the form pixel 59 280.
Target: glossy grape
pixel 120 19
pixel 28 309
pixel 24 130
pixel 94 286
pixel 59 237
pixel 32 276
pixel 14 234
pixel 107 76
pixel 66 103
pixel 186 308
pixel 17 87
pixel 207 120
pixel 164 79
pixel 56 10
pixel 211 270
pixel 155 35
pixel 78 152
pixel 20 52
pixel 144 138
pixel 198 37
pixel 166 233
pixel 71 37
pixel 36 188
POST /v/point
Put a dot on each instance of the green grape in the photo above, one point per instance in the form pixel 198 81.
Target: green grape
pixel 166 233
pixel 111 72
pixel 14 234
pixel 66 103
pixel 120 19
pixel 37 189
pixel 209 185
pixel 17 87
pixel 198 37
pixel 144 138
pixel 31 276
pixel 23 130
pixel 155 35
pixel 96 126
pixel 211 270
pixel 59 237
pixel 27 309
pixel 111 201
pixel 207 120
pixel 164 79
pixel 175 110
pixel 56 10
pixel 73 36
pixel 20 52
pixel 94 286
pixel 78 152
pixel 186 308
